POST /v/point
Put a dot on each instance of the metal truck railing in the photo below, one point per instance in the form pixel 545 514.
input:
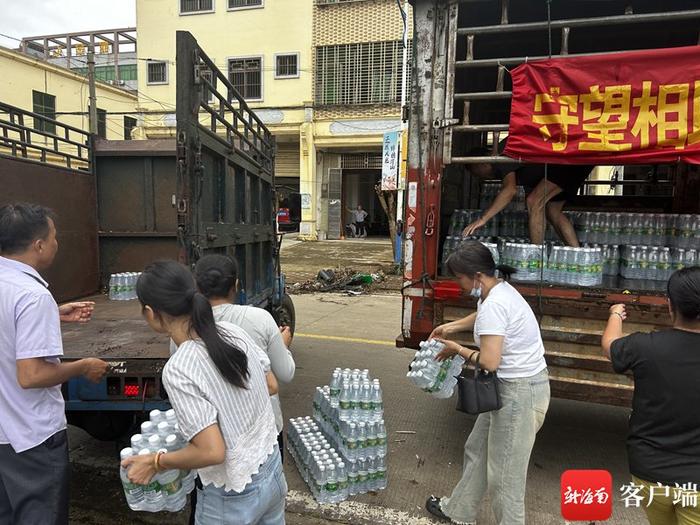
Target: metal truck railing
pixel 37 138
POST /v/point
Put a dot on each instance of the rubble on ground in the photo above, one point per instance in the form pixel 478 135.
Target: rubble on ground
pixel 338 280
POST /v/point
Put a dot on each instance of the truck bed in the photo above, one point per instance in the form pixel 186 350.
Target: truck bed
pixel 117 331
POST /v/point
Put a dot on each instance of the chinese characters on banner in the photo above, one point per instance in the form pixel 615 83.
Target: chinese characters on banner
pixel 390 161
pixel 633 107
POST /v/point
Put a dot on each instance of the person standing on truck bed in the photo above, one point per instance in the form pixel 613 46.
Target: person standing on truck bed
pixel 663 443
pixel 497 451
pixel 562 185
pixel 34 468
pixel 216 384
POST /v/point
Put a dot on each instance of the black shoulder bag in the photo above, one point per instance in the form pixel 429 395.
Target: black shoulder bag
pixel 478 392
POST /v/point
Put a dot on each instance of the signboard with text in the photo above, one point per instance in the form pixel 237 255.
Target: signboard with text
pixel 390 161
pixel 619 108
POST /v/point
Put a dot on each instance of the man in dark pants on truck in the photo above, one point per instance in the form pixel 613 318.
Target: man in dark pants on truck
pixel 33 443
pixel 543 197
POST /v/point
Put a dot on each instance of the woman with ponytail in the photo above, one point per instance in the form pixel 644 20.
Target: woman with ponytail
pixel 497 451
pixel 216 384
pixel 217 278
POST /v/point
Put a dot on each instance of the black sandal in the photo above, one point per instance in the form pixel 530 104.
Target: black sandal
pixel 432 505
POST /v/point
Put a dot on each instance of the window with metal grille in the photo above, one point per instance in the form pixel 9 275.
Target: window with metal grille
pixel 101 123
pixel 246 76
pixel 45 105
pixel 194 6
pixel 236 4
pixel 129 125
pixel 157 72
pixel 366 73
pixel 287 66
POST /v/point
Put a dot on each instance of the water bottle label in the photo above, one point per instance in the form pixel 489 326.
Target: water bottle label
pixel 363 477
pixel 644 264
pixel 151 489
pixel 376 406
pixel 663 266
pixel 381 474
pixel 352 479
pixel 172 488
pixel 366 405
pixel 352 445
pixel 335 392
pixel 345 405
pixel 371 443
pixel 332 487
pixel 381 440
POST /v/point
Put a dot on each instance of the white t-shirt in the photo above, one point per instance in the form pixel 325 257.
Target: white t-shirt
pixel 505 312
pixel 358 215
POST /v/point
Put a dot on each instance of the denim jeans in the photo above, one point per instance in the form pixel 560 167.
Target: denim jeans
pixel 260 503
pixel 497 453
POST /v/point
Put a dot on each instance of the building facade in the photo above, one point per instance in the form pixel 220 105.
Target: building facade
pixel 324 76
pixel 358 62
pixel 38 86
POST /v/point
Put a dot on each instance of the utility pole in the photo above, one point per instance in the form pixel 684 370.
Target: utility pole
pixel 92 116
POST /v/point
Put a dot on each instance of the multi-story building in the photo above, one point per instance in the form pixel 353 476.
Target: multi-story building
pixel 263 45
pixel 358 63
pixel 115 53
pixel 324 76
pixel 40 87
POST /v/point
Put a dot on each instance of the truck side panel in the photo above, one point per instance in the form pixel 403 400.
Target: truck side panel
pixel 71 195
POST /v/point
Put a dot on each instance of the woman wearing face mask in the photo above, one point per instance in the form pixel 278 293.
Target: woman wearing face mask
pixel 497 451
pixel 216 384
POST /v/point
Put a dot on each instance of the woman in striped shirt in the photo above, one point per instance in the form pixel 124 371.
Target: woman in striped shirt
pixel 216 384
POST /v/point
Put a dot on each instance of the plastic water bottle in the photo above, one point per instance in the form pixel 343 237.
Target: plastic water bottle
pixel 112 287
pixel 345 402
pixel 163 430
pixel 153 497
pixel 331 484
pixel 381 439
pixel 156 416
pixel 653 263
pixel 155 443
pixel 664 265
pixel 377 401
pixel 147 429
pixel 342 477
pixel 352 442
pixel 381 478
pixel 361 441
pixel 137 443
pixel 335 388
pixel 362 476
pixel 133 492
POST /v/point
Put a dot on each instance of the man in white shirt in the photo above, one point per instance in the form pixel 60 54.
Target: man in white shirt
pixel 33 443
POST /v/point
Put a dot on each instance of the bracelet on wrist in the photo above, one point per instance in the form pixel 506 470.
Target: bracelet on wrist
pixel 618 314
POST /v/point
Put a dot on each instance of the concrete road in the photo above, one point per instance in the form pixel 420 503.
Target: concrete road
pixel 335 330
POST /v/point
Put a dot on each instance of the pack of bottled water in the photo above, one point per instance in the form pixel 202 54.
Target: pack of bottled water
pixel 655 263
pixel 438 378
pixel 341 451
pixel 357 438
pixel 122 286
pixel 526 259
pixel 575 266
pixel 168 489
pixel 639 229
pixel 330 477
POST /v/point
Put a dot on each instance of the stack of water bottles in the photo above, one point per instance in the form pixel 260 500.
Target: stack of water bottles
pixel 330 477
pixel 438 378
pixel 168 490
pixel 525 258
pixel 122 286
pixel 575 266
pixel 342 450
pixel 655 263
pixel 639 229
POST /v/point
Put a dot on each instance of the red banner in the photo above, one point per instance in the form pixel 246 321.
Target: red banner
pixel 623 108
